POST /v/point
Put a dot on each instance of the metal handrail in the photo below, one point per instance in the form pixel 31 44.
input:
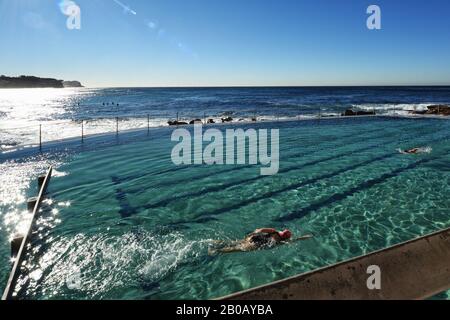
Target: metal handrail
pixel 15 272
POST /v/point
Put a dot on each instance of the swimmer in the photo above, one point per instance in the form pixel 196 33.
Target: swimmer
pixel 259 239
pixel 416 150
pixel 412 151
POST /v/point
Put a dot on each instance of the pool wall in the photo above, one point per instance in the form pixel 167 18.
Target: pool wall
pixel 416 269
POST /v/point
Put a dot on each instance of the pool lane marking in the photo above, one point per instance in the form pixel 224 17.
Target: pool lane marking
pixel 407 125
pixel 343 195
pixel 314 180
pixel 222 187
pixel 296 186
pixel 126 209
pixel 351 135
pixel 286 157
pixel 281 191
pixel 290 156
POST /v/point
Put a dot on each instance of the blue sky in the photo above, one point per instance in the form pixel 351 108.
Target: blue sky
pixel 228 42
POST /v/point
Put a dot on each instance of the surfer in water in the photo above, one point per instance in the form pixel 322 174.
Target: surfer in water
pixel 259 239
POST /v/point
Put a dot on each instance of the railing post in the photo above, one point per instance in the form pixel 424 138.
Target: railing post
pixel 40 136
pixel 82 130
pixel 204 117
pixel 148 123
pixel 117 125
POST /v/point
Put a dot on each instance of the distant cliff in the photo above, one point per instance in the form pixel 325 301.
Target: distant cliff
pixel 34 82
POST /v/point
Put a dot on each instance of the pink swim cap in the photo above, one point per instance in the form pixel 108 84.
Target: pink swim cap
pixel 285 235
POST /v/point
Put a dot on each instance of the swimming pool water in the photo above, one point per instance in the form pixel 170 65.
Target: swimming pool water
pixel 123 222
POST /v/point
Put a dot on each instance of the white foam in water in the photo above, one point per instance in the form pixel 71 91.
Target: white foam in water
pixel 108 262
pixel 56 173
pixel 167 255
pixel 393 109
pixel 425 150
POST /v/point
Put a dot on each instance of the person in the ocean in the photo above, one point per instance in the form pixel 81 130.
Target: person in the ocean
pixel 259 239
pixel 412 151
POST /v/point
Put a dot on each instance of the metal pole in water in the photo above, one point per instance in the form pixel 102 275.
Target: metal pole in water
pixel 40 136
pixel 82 130
pixel 117 125
pixel 148 123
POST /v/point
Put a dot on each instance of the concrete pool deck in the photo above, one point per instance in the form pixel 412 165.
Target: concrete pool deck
pixel 413 270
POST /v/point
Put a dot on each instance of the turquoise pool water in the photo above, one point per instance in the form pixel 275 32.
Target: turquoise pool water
pixel 123 222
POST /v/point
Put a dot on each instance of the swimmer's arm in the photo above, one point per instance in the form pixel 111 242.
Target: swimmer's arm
pixel 265 230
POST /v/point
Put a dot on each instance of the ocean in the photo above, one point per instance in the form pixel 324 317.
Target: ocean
pixel 60 111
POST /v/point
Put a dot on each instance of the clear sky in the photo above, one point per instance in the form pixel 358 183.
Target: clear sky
pixel 228 42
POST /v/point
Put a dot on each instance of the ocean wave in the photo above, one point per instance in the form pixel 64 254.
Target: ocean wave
pixel 393 107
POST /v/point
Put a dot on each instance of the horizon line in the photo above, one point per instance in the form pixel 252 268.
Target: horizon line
pixel 270 86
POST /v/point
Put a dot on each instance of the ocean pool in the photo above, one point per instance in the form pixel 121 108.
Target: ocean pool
pixel 122 222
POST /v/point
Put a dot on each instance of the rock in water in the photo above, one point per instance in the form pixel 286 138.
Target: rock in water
pixel 439 109
pixel 350 112
pixel 176 123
